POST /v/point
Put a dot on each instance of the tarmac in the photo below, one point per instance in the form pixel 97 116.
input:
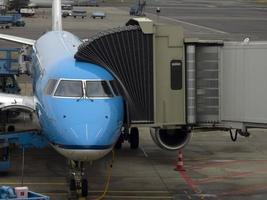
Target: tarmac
pixel 215 167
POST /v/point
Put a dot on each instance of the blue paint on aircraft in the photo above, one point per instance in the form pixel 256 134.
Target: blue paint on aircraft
pixel 73 123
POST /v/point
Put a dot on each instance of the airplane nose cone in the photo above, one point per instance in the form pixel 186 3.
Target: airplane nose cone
pixel 88 141
pixel 98 135
pixel 86 129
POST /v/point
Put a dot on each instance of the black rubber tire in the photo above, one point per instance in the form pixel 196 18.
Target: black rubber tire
pixel 118 144
pixel 84 188
pixel 134 138
pixel 72 185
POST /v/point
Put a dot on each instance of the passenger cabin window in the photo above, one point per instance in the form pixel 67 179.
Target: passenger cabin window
pixel 69 88
pixel 51 84
pixel 98 89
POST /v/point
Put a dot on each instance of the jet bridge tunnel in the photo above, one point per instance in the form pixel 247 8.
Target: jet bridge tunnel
pixel 170 82
pixel 148 62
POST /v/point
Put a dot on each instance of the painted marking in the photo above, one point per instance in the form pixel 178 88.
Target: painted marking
pixel 118 196
pixel 138 197
pixel 230 175
pixel 144 152
pixel 187 195
pixel 191 24
pixel 218 163
pixel 190 182
pixel 31 183
pixel 217 178
pixel 205 195
pixel 244 190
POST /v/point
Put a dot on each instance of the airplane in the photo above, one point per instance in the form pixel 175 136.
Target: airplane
pixel 79 111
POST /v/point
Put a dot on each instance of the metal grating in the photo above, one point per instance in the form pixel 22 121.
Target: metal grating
pixel 127 53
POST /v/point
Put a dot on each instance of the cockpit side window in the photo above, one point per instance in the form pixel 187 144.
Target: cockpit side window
pixel 98 89
pixel 115 87
pixel 51 84
pixel 69 88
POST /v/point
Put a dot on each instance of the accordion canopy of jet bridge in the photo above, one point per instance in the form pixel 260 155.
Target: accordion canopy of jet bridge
pixel 147 61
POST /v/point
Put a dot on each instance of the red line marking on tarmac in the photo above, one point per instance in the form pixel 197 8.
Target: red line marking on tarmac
pixel 189 181
pixel 216 178
pixel 194 184
pixel 222 163
pixel 244 190
pixel 229 175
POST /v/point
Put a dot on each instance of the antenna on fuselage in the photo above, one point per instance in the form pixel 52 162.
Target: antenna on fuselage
pixel 56 16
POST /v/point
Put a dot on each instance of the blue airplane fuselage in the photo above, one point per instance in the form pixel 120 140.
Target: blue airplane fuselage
pixel 80 128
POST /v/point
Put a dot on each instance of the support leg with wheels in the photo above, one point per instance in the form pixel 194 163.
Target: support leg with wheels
pixel 118 144
pixel 134 138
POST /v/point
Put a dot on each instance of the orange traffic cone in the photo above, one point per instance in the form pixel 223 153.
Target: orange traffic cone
pixel 180 162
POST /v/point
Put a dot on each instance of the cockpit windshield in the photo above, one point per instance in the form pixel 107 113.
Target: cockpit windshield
pixel 98 89
pixel 69 88
pixel 86 89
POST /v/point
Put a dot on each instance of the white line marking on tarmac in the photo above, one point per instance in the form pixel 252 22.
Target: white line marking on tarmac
pixel 144 152
pixel 191 24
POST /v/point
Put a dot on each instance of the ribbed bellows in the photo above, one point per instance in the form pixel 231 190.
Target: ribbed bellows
pixel 127 54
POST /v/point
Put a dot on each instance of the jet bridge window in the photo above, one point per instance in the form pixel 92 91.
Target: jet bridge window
pixel 176 75
pixel 69 88
pixel 98 89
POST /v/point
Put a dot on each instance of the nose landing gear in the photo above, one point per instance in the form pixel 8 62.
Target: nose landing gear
pixel 78 184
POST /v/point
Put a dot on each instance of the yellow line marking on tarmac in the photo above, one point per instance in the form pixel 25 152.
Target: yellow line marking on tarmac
pixel 30 183
pixel 119 196
pixel 90 191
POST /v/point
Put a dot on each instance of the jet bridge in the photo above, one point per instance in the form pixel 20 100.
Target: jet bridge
pixel 173 84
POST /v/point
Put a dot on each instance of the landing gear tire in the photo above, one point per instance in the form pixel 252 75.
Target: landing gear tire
pixel 72 185
pixel 134 138
pixel 84 188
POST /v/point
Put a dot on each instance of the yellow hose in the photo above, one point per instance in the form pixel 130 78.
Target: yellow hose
pixel 108 177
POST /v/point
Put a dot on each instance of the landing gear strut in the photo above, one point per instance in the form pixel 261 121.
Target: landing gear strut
pixel 132 137
pixel 78 184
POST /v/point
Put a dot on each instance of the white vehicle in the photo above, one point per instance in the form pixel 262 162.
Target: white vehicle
pixel 27 12
pixel 66 10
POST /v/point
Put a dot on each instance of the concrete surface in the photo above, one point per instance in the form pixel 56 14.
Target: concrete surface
pixel 216 168
pixel 229 20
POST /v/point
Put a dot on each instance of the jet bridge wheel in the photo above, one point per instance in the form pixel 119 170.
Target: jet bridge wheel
pixel 134 138
pixel 84 188
pixel 118 144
